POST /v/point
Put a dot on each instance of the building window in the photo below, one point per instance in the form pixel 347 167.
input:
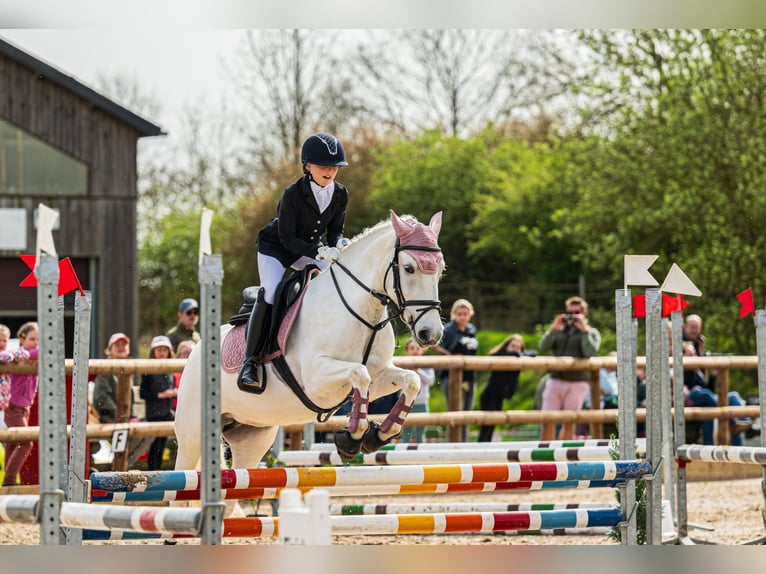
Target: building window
pixel 29 166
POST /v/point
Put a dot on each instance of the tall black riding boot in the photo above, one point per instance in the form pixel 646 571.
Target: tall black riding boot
pixel 257 326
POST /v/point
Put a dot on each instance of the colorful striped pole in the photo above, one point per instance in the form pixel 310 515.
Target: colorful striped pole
pixel 736 454
pixel 440 523
pixel 139 518
pixel 505 445
pixel 454 456
pixel 378 475
pixel 456 507
pixel 358 490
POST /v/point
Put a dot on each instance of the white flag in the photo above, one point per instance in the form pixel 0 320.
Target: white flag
pixel 676 281
pixel 204 234
pixel 46 219
pixel 637 270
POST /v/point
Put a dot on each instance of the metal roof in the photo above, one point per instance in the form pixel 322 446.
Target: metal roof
pixel 144 127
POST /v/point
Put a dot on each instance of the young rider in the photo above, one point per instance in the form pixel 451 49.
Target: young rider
pixel 309 208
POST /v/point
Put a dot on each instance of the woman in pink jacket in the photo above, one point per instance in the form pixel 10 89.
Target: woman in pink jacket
pixel 23 393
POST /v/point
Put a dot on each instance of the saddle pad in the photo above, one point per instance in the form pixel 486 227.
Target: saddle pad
pixel 233 349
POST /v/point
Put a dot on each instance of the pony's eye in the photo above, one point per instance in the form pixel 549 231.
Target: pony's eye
pixel 409 268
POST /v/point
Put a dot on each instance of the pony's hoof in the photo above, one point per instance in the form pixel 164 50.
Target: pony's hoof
pixel 371 441
pixel 347 446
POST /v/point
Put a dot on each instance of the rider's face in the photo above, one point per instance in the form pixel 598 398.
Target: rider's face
pixel 322 174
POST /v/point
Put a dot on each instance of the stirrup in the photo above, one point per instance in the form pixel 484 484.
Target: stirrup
pixel 256 386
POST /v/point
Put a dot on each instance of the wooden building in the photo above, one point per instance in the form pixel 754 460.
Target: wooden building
pixel 69 147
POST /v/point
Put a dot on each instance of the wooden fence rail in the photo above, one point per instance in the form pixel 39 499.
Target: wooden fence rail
pixel 453 419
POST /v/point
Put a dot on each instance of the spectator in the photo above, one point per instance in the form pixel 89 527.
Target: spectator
pixel 697 393
pixel 502 384
pixel 308 208
pixel 570 335
pixel 23 393
pixel 184 350
pixel 105 396
pixel 459 338
pixel 420 405
pixel 5 379
pixel 186 327
pixel 158 392
pixel 608 383
pixel 692 332
pixel 105 386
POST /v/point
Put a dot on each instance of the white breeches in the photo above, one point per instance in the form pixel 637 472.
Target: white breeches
pixel 271 272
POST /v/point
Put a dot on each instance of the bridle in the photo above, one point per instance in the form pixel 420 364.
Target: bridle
pixel 383 298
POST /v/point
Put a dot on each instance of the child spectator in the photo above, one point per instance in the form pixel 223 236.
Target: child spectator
pixel 23 393
pixel 420 405
pixel 502 384
pixel 158 392
pixel 5 379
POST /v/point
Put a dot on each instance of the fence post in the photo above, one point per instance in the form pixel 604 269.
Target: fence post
pixel 596 429
pixel 455 402
pixel 124 400
pixel 722 436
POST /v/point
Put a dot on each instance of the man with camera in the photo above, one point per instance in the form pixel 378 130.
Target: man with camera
pixel 570 335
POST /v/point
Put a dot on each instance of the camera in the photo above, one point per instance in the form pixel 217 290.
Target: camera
pixel 569 318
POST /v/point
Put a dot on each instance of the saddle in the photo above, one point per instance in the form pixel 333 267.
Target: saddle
pixel 288 291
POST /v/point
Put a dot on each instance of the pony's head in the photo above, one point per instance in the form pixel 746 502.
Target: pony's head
pixel 421 264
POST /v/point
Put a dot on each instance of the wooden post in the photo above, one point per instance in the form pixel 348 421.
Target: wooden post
pixel 455 402
pixel 596 429
pixel 124 400
pixel 722 436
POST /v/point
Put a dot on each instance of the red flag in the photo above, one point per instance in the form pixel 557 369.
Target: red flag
pixel 639 306
pixel 746 299
pixel 68 280
pixel 670 304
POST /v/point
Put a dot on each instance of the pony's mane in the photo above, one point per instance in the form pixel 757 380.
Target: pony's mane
pixel 379 227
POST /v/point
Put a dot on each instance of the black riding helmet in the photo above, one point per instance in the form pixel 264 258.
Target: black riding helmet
pixel 323 149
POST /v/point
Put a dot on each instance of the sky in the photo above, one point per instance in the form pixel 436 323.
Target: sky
pixel 176 49
pixel 181 67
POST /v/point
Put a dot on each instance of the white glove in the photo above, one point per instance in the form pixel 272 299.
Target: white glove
pixel 328 253
pixel 342 243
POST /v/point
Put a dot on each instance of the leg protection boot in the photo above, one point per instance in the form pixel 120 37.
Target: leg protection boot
pixel 257 327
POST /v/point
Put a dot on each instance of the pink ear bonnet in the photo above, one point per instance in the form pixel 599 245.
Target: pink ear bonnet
pixel 415 234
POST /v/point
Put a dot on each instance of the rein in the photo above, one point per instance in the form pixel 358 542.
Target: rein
pixel 399 305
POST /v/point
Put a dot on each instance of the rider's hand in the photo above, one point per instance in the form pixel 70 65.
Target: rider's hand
pixel 328 253
pixel 342 243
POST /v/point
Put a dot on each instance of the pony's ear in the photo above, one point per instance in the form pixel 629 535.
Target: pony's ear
pixel 401 227
pixel 436 223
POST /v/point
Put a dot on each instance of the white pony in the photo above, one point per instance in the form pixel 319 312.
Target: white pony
pixel 340 345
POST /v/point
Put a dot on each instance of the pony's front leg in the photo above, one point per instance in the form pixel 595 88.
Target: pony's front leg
pixel 379 435
pixel 348 442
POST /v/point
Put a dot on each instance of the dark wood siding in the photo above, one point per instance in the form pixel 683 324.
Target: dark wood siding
pixel 100 226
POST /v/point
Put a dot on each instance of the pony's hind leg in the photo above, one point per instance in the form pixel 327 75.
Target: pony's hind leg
pixel 248 446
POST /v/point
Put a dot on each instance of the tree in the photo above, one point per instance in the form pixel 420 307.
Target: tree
pixel 677 160
pixel 457 81
pixel 292 85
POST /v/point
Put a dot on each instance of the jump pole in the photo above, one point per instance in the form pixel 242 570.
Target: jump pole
pixel 551 444
pixel 455 456
pixel 438 523
pixel 210 279
pixel 655 362
pixel 626 412
pixel 50 399
pixel 77 481
pixel 760 337
pixel 378 475
pixel 374 490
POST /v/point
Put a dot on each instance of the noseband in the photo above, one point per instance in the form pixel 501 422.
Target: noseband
pixel 399 305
